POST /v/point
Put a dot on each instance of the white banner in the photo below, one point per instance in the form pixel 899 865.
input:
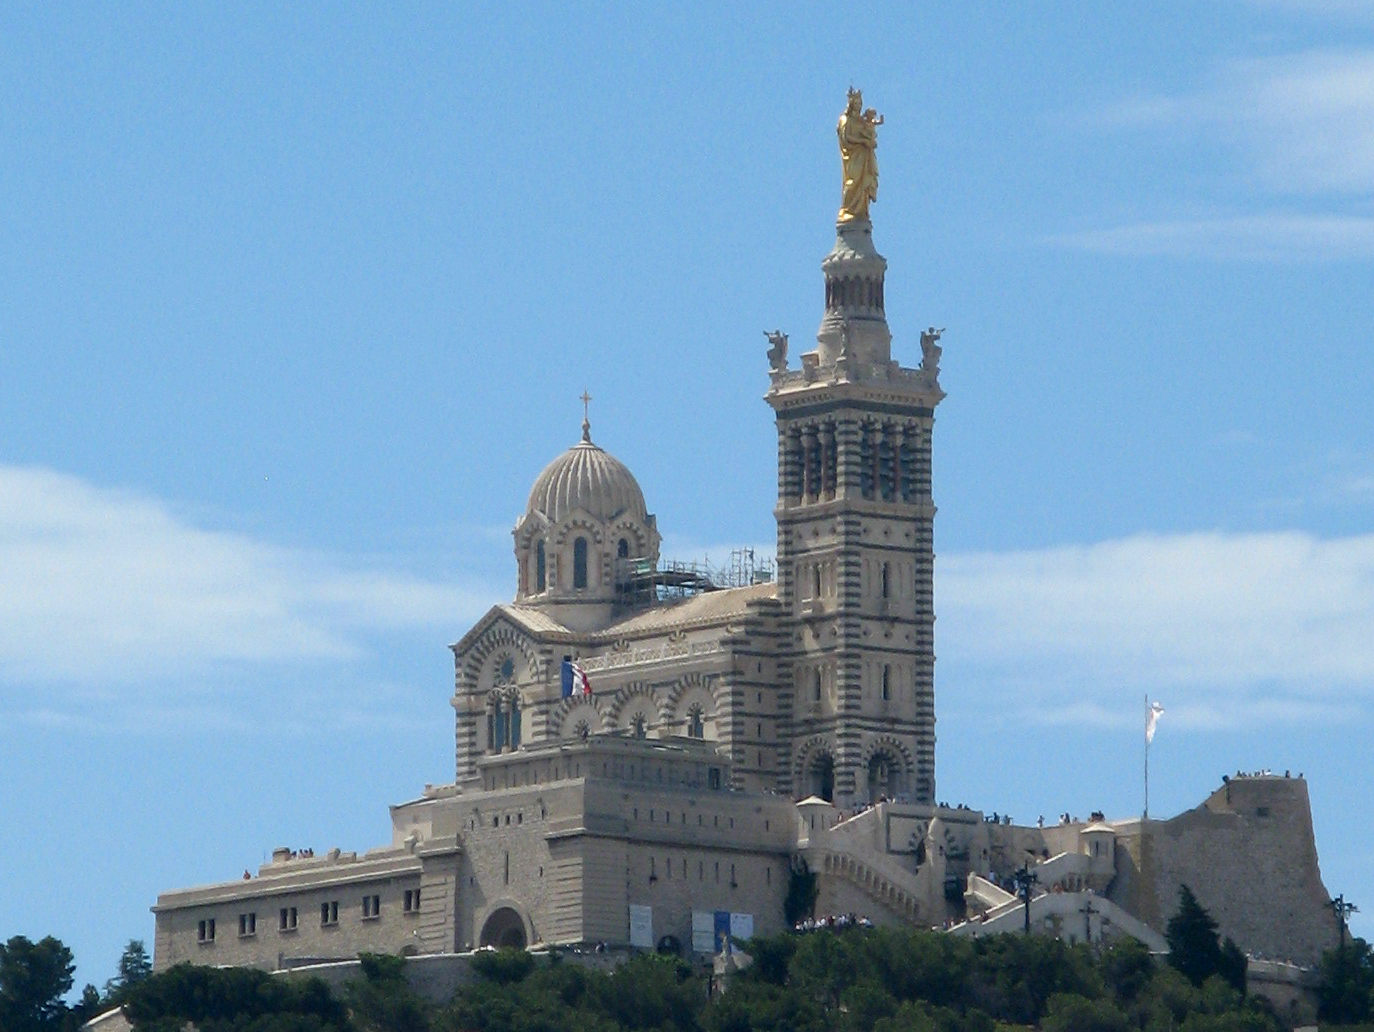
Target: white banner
pixel 703 931
pixel 641 926
pixel 741 926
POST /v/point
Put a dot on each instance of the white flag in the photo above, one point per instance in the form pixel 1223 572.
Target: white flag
pixel 1156 711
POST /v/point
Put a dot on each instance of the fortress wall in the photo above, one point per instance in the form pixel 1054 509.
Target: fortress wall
pixel 1249 857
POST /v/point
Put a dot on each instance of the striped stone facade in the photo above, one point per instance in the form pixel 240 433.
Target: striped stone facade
pixel 856 547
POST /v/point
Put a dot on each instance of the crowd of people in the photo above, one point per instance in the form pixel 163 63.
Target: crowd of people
pixel 832 922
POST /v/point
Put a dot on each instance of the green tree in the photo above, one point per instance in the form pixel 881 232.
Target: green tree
pixel 1345 992
pixel 1194 948
pixel 504 965
pixel 1127 968
pixel 1069 1012
pixel 233 1000
pixel 34 976
pixel 382 1000
pixel 134 966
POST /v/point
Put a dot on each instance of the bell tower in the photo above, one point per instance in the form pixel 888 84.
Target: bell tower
pixel 855 525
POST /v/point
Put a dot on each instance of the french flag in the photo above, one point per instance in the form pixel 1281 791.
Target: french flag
pixel 575 680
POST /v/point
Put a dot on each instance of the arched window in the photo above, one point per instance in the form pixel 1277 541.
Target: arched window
pixel 887 689
pixel 580 563
pixel 816 581
pixel 887 580
pixel 817 686
pixel 823 777
pixel 696 723
pixel 499 737
pixel 622 550
pixel 514 723
pixel 540 570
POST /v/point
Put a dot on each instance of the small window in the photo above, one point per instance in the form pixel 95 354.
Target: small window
pixel 887 689
pixel 816 686
pixel 248 925
pixel 580 563
pixel 886 579
pixel 622 550
pixel 540 568
pixel 372 907
pixel 329 914
pixel 286 919
pixel 412 900
pixel 205 930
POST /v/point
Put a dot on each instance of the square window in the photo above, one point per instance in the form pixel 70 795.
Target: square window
pixel 329 913
pixel 286 919
pixel 412 901
pixel 248 925
pixel 372 907
pixel 205 930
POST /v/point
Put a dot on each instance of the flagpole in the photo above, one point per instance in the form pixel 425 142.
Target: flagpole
pixel 1146 814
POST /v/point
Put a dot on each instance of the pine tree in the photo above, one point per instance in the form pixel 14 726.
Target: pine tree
pixel 134 967
pixel 1194 948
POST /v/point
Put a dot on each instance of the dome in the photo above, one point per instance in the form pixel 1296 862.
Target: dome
pixel 589 478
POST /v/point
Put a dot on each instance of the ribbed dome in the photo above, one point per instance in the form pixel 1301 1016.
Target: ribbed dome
pixel 586 477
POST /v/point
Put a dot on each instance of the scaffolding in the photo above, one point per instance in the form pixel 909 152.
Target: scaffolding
pixel 639 582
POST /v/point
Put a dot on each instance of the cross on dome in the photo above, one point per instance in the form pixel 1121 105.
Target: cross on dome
pixel 586 421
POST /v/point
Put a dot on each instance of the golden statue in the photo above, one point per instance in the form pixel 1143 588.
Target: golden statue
pixel 858 133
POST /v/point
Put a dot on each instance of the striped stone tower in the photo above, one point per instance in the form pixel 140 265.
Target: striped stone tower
pixel 855 547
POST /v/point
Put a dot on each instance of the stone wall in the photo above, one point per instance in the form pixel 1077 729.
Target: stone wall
pixel 1249 856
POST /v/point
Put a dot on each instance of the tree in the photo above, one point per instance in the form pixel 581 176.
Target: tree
pixel 1345 994
pixel 1069 1012
pixel 1194 948
pixel 134 966
pixel 382 1000
pixel 33 979
pixel 90 1004
pixel 232 999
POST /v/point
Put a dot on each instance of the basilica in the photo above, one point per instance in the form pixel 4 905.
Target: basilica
pixel 651 755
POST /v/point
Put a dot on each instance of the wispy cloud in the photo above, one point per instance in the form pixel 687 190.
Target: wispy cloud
pixel 114 608
pixel 1270 236
pixel 1301 128
pixel 1306 119
pixel 1302 122
pixel 1232 628
pixel 101 586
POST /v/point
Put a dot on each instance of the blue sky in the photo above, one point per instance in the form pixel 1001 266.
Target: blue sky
pixel 296 302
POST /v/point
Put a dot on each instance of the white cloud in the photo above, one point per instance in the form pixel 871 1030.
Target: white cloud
pixel 1307 119
pixel 1227 628
pixel 101 586
pixel 1273 236
pixel 1301 126
pixel 107 595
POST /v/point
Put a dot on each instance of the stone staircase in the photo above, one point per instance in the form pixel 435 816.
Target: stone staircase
pixel 851 849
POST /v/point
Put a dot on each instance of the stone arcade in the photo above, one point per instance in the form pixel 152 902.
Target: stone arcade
pixel 735 733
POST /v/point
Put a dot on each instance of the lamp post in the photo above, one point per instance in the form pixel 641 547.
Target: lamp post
pixel 1025 880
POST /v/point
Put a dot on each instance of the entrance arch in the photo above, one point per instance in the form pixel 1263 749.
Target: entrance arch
pixel 884 776
pixel 504 928
pixel 822 776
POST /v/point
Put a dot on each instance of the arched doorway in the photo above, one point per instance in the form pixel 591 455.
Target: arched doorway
pixel 504 928
pixel 823 777
pixel 884 775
